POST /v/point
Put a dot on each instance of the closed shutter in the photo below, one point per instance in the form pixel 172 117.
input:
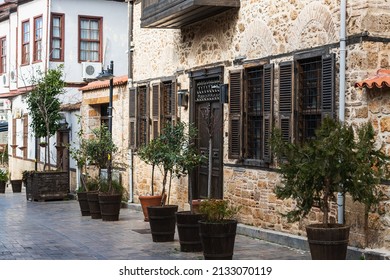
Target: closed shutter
pixel 235 114
pixel 132 119
pixel 173 102
pixel 285 99
pixel 25 135
pixel 155 109
pixel 328 85
pixel 268 112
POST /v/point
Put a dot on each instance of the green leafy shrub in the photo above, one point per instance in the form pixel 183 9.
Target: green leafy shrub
pixel 217 210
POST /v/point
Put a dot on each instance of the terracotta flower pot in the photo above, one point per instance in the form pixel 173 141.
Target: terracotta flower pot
pixel 149 200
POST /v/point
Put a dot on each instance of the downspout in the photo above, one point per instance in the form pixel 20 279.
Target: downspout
pixel 343 35
pixel 48 19
pixel 130 8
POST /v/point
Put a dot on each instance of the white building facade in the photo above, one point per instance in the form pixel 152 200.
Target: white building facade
pixel 37 35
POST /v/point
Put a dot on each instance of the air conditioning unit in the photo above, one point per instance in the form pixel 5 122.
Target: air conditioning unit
pixel 12 76
pixel 91 70
pixel 7 104
pixel 4 81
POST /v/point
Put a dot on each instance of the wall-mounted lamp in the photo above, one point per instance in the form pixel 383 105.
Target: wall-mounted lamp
pixel 223 91
pixel 239 59
pixel 182 98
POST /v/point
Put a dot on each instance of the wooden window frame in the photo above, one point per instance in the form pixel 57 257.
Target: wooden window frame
pixel 142 100
pixel 38 36
pixel 240 114
pixel 61 37
pixel 3 55
pixel 99 41
pixel 291 110
pixel 25 59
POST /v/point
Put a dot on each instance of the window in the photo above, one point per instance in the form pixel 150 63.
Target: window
pixel 57 37
pixel 90 39
pixel 25 42
pixel 312 100
pixel 3 55
pixel 250 111
pixel 143 115
pixel 104 114
pixel 38 25
pixel 164 105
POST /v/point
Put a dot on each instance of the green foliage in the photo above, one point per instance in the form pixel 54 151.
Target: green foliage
pixel 217 210
pixel 100 147
pixel 172 151
pixel 92 184
pixel 26 174
pixel 117 187
pixel 3 175
pixel 335 161
pixel 43 102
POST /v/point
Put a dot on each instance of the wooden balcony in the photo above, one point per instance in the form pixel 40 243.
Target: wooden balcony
pixel 179 13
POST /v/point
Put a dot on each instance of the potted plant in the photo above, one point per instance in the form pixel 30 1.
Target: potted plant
pixel 175 157
pixel 3 179
pixel 100 150
pixel 44 107
pixel 218 229
pixel 148 153
pixel 313 172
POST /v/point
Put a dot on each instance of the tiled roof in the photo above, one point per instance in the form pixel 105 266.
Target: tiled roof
pixel 381 79
pixel 121 80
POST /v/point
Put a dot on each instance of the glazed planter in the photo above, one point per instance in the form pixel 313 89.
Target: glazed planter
pixel 162 222
pixel 94 205
pixel 110 206
pixel 47 185
pixel 83 203
pixel 218 239
pixel 16 186
pixel 328 241
pixel 2 187
pixel 149 200
pixel 188 231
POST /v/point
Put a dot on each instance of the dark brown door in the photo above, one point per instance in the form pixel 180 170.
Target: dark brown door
pixel 62 150
pixel 207 114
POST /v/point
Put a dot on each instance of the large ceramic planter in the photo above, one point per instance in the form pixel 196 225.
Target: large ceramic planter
pixel 149 200
pixel 16 186
pixel 328 242
pixel 218 239
pixel 94 205
pixel 2 187
pixel 162 222
pixel 188 230
pixel 83 203
pixel 110 206
pixel 47 185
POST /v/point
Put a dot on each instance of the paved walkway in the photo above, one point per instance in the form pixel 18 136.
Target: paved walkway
pixel 56 231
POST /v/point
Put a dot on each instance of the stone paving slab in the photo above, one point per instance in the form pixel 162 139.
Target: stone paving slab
pixel 55 230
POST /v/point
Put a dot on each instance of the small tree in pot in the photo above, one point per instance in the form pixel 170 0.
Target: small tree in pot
pixel 313 172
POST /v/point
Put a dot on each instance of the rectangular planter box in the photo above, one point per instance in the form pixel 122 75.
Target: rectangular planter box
pixel 47 185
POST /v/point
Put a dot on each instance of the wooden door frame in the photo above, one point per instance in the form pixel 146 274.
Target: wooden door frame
pixel 200 75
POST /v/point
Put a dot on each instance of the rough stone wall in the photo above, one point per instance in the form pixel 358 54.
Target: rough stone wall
pixel 91 119
pixel 275 30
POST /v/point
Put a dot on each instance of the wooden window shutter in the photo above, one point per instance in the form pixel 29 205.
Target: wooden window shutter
pixel 268 112
pixel 173 102
pixel 14 137
pixel 328 85
pixel 155 109
pixel 235 114
pixel 25 135
pixel 285 99
pixel 132 119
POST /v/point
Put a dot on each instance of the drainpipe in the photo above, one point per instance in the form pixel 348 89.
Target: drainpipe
pixel 130 7
pixel 343 35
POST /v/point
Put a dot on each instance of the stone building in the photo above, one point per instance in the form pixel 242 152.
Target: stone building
pixel 256 65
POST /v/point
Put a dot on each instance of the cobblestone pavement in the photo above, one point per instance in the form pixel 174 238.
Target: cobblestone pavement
pixel 55 230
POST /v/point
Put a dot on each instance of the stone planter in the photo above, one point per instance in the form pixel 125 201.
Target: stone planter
pixel 47 185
